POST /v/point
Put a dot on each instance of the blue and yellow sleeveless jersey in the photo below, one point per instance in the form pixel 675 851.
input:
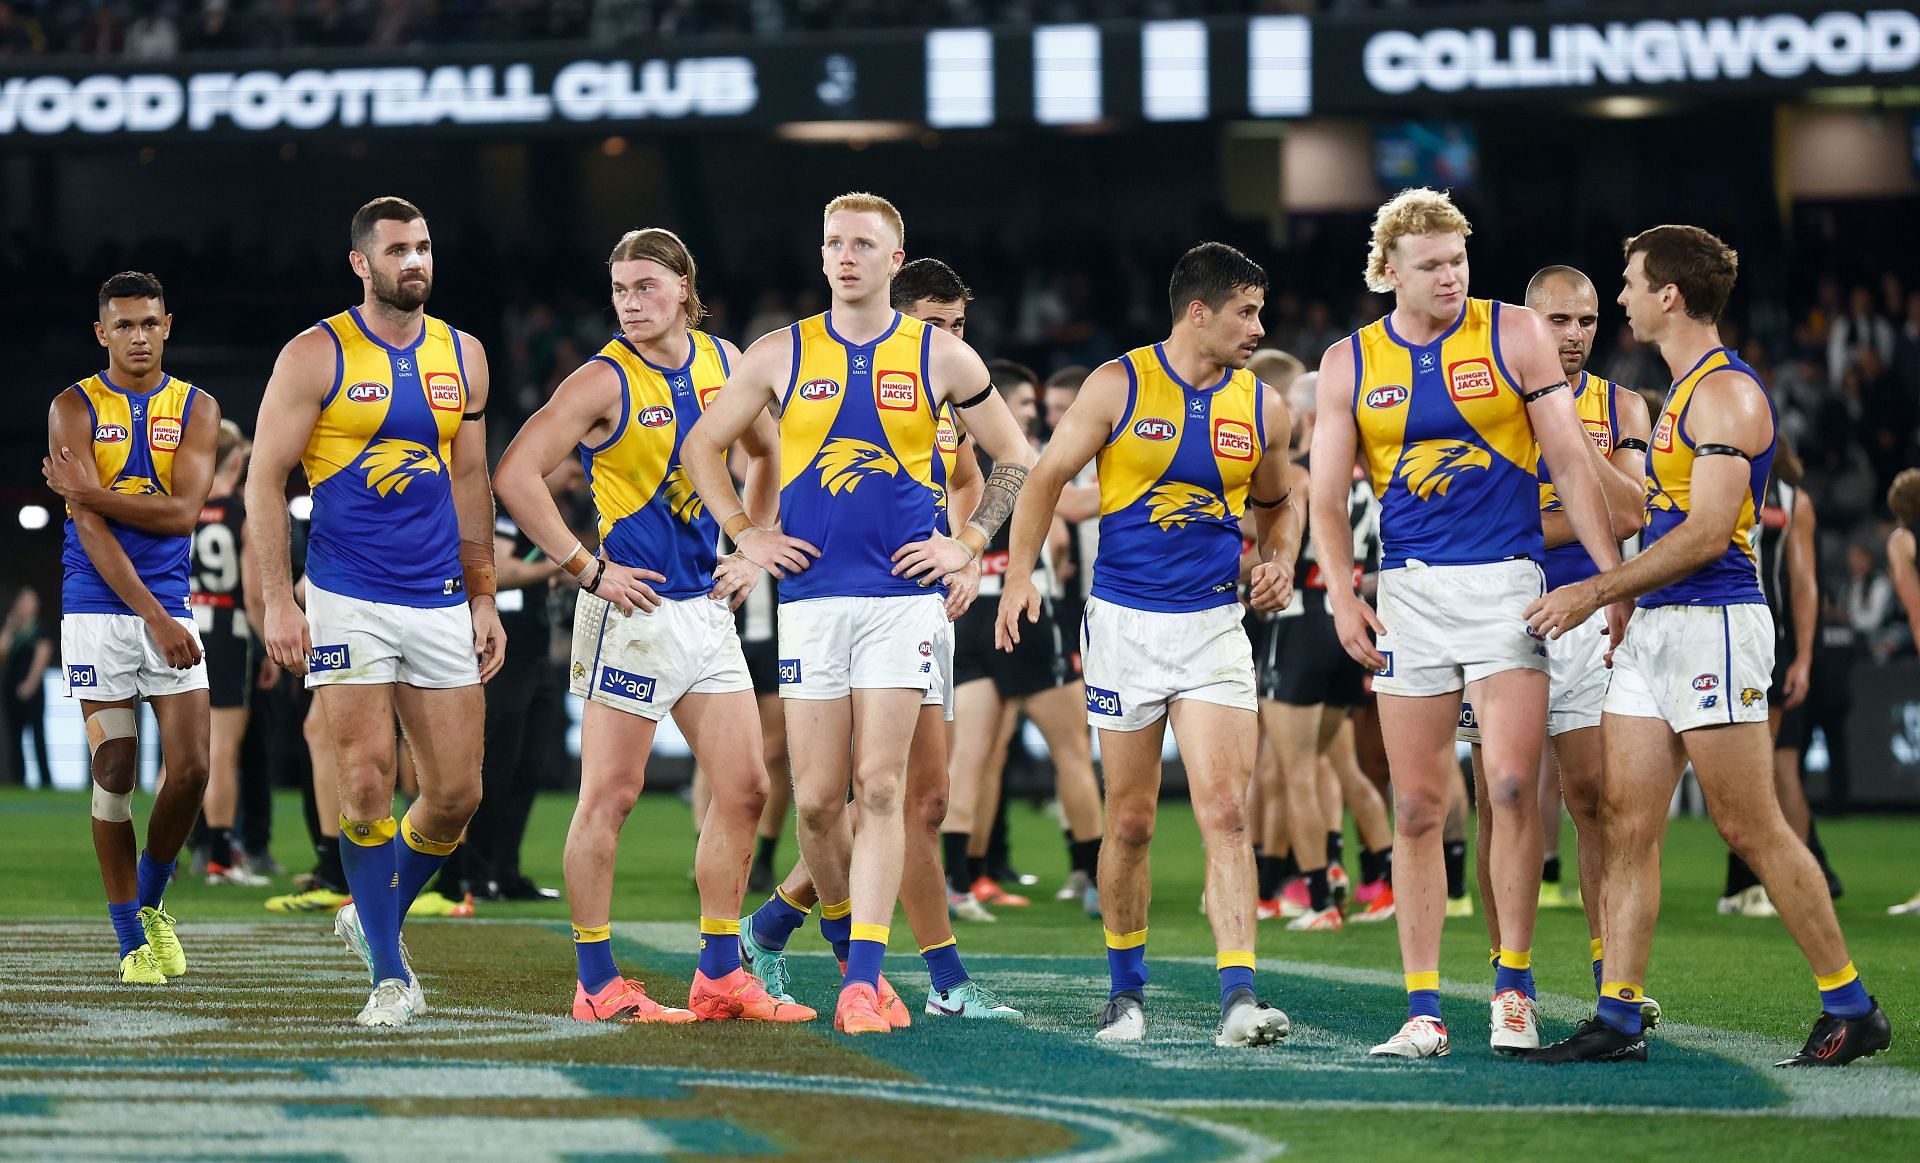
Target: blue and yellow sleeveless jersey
pixel 859 474
pixel 650 517
pixel 1593 397
pixel 1174 475
pixel 1446 442
pixel 1733 578
pixel 134 441
pixel 379 463
pixel 946 448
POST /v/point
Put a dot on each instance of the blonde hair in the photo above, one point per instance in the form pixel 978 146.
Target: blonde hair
pixel 1275 368
pixel 230 440
pixel 1414 212
pixel 658 244
pixel 1904 496
pixel 857 202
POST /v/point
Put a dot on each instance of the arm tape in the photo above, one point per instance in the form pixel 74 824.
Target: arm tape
pixel 969 403
pixel 1530 397
pixel 1257 503
pixel 1720 450
pixel 1633 442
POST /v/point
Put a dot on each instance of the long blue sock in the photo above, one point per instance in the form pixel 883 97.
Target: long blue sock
pixel 775 922
pixel 1423 994
pixel 368 858
pixel 154 877
pixel 416 861
pixel 126 925
pixel 719 946
pixel 943 965
pixel 836 925
pixel 593 948
pixel 1126 962
pixel 866 951
pixel 1842 994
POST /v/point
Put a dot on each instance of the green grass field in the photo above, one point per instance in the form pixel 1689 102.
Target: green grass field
pixel 253 1055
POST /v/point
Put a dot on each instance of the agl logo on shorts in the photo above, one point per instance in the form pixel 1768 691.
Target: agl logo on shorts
pixel 1101 701
pixel 789 671
pixel 82 676
pixel 324 658
pixel 638 687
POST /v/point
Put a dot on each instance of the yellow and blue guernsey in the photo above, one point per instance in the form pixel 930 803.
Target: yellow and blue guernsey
pixel 1446 443
pixel 1593 397
pixel 650 517
pixel 378 462
pixel 859 470
pixel 1174 475
pixel 135 437
pixel 1733 578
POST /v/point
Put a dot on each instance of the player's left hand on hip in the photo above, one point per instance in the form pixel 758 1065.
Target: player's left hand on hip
pixel 926 560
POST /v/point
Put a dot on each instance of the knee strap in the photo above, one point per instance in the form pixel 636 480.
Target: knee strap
pixel 109 724
pixel 112 807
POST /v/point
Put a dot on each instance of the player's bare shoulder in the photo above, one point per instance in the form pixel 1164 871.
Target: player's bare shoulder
pixel 307 364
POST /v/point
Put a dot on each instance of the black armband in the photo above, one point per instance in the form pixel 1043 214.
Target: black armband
pixel 480 415
pixel 1530 397
pixel 984 393
pixel 1257 503
pixel 1720 450
pixel 1633 442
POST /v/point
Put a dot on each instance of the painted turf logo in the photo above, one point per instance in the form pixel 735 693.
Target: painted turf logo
pixel 638 687
pixel 1101 701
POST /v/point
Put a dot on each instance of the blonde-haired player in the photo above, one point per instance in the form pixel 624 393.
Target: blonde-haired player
pixel 858 390
pixel 1450 402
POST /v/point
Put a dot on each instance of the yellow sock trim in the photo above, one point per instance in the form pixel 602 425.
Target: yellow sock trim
pixel 719 926
pixel 367 833
pixel 1233 958
pixel 1493 956
pixel 834 912
pixel 1515 958
pixel 1628 991
pixel 1593 947
pixel 1838 977
pixel 866 932
pixel 421 844
pixel 589 934
pixel 1428 980
pixel 926 949
pixel 782 894
pixel 1125 940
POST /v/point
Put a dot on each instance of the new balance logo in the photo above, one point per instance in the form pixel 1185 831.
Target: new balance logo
pixel 322 658
pixel 638 687
pixel 1102 702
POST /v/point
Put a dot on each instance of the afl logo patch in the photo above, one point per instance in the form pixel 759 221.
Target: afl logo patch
pixel 1391 396
pixel 926 650
pixel 368 392
pixel 164 433
pixel 1705 682
pixel 819 390
pixel 899 391
pixel 1471 379
pixel 109 434
pixel 1233 439
pixel 656 416
pixel 945 436
pixel 1154 428
pixel 443 391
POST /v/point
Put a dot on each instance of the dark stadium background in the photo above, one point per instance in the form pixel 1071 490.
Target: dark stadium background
pixel 1059 155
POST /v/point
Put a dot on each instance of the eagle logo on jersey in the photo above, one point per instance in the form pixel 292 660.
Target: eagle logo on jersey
pixel 136 487
pixel 939 499
pixel 1176 504
pixel 845 462
pixel 681 499
pixel 391 465
pixel 1429 466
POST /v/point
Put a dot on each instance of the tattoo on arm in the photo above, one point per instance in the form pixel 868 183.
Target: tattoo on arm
pixel 997 498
